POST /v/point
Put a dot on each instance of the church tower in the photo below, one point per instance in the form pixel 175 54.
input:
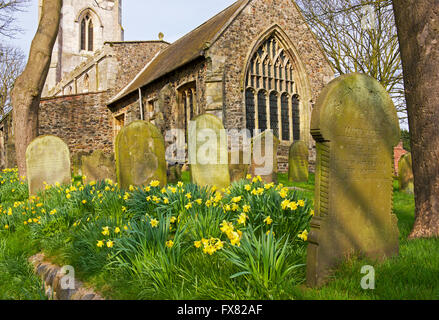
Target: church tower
pixel 84 28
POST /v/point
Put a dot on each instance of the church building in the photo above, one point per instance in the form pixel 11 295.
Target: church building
pixel 255 65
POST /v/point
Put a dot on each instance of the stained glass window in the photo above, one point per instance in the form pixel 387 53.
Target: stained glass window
pixel 285 116
pixel 296 118
pixel 271 75
pixel 262 111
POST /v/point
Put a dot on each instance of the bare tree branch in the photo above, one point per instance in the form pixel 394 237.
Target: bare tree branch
pixel 8 8
pixel 360 36
pixel 12 61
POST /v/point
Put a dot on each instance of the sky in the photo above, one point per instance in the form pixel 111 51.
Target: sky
pixel 141 19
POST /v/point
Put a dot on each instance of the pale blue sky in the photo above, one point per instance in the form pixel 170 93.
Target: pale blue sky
pixel 141 19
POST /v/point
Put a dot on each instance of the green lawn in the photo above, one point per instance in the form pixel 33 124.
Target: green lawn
pixel 148 274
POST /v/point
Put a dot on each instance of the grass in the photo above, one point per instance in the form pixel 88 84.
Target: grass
pixel 140 266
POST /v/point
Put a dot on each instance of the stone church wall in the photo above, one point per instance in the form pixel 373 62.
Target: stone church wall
pixel 83 121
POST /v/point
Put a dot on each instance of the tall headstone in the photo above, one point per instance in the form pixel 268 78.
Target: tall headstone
pixel 264 156
pixel 405 176
pixel 140 155
pixel 98 166
pixel 208 153
pixel 356 127
pixel 47 161
pixel 298 162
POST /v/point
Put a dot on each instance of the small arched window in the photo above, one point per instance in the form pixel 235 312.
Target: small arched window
pixel 87 33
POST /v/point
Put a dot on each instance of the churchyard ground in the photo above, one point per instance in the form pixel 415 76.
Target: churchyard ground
pixel 129 247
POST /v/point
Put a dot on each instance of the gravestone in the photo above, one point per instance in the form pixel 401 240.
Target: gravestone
pixel 98 166
pixel 298 162
pixel 405 176
pixel 76 163
pixel 47 161
pixel 356 127
pixel 264 156
pixel 174 173
pixel 238 169
pixel 140 155
pixel 208 153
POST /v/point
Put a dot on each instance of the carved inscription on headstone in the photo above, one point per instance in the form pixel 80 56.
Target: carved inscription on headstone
pixel 47 162
pixel 356 128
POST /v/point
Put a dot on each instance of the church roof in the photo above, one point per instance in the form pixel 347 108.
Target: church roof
pixel 184 50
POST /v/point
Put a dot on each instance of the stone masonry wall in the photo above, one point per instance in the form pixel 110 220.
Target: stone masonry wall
pixel 82 121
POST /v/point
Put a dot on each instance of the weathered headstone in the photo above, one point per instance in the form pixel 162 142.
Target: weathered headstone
pixel 140 155
pixel 208 154
pixel 76 163
pixel 298 162
pixel 405 176
pixel 174 173
pixel 356 127
pixel 264 156
pixel 238 169
pixel 47 161
pixel 98 166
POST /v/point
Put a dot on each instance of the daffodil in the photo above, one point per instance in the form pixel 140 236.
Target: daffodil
pixel 154 223
pixel 198 244
pixel 117 230
pixel 106 231
pixel 199 201
pixel 100 243
pixel 268 220
pixel 236 199
pixel 242 218
pixel 188 206
pixel 188 195
pixel 180 184
pixel 110 244
pixel 165 200
pixel 246 208
pixel 154 183
pixel 304 235
pixel 170 243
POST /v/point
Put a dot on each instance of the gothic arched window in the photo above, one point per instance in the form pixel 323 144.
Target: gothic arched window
pixel 87 33
pixel 270 73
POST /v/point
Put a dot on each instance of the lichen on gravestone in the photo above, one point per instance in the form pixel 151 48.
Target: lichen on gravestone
pixel 47 162
pixel 98 166
pixel 298 162
pixel 208 152
pixel 140 155
pixel 355 126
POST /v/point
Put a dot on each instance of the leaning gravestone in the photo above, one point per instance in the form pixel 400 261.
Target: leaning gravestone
pixel 98 166
pixel 264 156
pixel 47 161
pixel 298 162
pixel 356 127
pixel 208 153
pixel 140 155
pixel 405 175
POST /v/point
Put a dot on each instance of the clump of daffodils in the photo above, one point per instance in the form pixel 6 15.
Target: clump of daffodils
pixel 233 235
pixel 210 246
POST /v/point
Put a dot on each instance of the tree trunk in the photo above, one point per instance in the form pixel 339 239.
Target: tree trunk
pixel 29 85
pixel 418 31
